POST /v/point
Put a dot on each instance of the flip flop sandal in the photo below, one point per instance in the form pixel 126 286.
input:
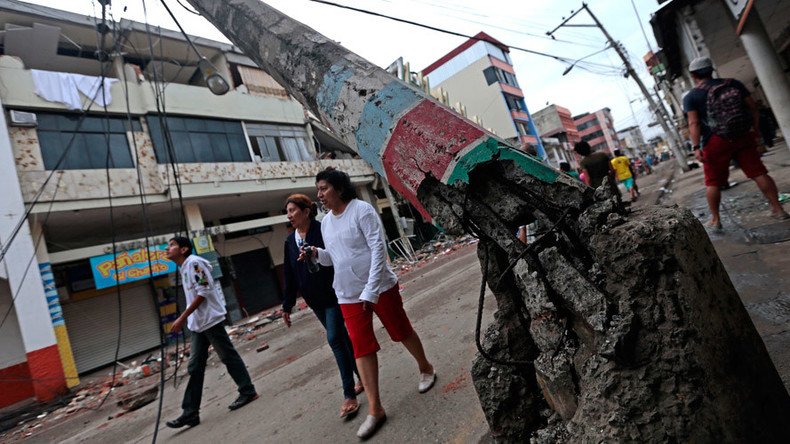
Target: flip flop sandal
pixel 349 411
pixel 359 388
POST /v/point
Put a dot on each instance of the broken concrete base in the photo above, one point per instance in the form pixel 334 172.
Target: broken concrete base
pixel 631 326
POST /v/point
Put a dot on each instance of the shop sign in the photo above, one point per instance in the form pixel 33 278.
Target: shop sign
pixel 132 266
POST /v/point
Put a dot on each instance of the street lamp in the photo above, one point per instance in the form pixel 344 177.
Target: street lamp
pixel 215 82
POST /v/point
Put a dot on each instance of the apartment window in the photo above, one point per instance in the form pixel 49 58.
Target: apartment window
pixel 93 139
pixel 490 75
pixel 494 74
pixel 523 128
pixel 279 143
pixel 198 140
pixel 515 103
pixel 592 135
pixel 586 125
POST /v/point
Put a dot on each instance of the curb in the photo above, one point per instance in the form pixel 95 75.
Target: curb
pixel 665 186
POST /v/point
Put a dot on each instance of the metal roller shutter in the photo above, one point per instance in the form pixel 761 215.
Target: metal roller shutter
pixel 93 327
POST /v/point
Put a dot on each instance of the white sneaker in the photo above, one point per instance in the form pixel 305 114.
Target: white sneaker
pixel 370 426
pixel 426 381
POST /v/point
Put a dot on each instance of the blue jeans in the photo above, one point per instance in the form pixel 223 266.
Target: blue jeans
pixel 337 337
pixel 218 337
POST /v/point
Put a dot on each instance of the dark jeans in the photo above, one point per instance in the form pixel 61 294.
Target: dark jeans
pixel 337 336
pixel 217 337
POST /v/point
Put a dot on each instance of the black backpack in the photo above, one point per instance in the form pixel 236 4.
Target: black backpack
pixel 728 116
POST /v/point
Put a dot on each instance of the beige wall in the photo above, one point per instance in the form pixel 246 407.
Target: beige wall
pixel 17 90
pixel 469 87
pixel 197 179
pixel 273 240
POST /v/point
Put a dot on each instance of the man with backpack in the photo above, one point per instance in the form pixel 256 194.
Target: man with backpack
pixel 722 118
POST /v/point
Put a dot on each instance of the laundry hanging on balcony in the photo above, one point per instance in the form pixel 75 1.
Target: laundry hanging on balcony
pixel 65 88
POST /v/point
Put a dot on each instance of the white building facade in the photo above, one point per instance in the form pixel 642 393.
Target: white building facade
pixel 181 160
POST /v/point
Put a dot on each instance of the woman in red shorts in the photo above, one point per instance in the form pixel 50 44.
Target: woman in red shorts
pixel 364 284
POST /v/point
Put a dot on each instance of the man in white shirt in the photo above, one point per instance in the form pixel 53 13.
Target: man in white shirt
pixel 354 239
pixel 204 316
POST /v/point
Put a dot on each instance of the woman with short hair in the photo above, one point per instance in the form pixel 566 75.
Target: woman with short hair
pixel 364 284
pixel 316 289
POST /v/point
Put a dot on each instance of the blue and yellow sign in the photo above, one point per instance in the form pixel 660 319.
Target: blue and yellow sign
pixel 132 266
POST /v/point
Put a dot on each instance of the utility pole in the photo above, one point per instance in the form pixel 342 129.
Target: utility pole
pixel 466 179
pixel 674 144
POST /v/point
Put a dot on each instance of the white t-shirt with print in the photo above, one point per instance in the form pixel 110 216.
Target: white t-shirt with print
pixel 197 281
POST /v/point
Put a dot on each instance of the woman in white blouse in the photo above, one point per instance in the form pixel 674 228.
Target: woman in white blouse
pixel 364 284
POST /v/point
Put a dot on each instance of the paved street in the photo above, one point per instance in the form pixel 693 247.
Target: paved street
pixel 300 388
pixel 297 376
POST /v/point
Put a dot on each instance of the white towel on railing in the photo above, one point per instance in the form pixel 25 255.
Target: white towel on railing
pixel 62 87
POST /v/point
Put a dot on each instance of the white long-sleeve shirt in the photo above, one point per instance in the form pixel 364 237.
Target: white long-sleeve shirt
pixel 355 246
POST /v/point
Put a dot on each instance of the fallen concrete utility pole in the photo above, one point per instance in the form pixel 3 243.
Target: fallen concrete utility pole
pixel 611 326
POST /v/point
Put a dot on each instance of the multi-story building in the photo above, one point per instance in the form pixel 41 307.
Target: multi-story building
pixel 597 128
pixel 632 140
pixel 158 154
pixel 479 74
pixel 555 122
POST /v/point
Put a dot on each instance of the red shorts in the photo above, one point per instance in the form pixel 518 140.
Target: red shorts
pixel 719 152
pixel 359 322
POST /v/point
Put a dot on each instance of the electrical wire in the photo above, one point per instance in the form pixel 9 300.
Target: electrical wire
pixel 489 25
pixel 445 31
pixel 162 116
pixel 104 60
pixel 188 9
pixel 34 202
pixel 143 203
pixel 33 256
pixel 55 168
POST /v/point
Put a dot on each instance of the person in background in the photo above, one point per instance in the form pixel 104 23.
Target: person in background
pixel 204 315
pixel 595 166
pixel 722 116
pixel 316 289
pixel 622 168
pixel 565 167
pixel 768 124
pixel 364 284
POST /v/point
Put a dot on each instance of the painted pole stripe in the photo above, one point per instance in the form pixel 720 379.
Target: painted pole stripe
pixel 378 118
pixel 487 150
pixel 460 154
pixel 425 140
pixel 51 293
pixel 330 88
pixel 59 325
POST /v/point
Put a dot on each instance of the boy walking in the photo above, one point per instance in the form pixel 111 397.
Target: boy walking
pixel 204 316
pixel 622 169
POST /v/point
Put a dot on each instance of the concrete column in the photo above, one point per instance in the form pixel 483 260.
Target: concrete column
pixel 194 218
pixel 768 68
pixel 55 310
pixel 25 284
pixel 404 134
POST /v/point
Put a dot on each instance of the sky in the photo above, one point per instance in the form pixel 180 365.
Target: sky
pixel 516 23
